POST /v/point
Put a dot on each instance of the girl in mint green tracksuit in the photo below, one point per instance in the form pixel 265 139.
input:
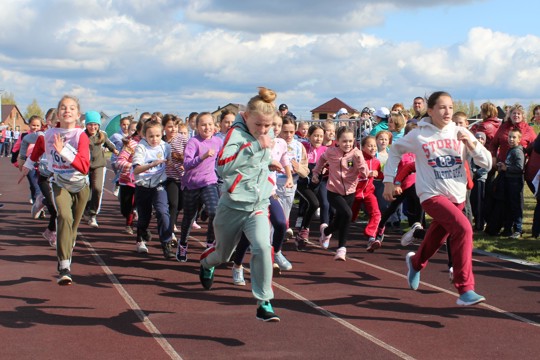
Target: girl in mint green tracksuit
pixel 244 164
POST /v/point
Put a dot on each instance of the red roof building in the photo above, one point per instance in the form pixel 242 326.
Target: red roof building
pixel 330 108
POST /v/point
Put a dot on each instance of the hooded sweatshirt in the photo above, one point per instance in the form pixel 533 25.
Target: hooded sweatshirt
pixel 243 167
pixel 439 160
pixel 344 169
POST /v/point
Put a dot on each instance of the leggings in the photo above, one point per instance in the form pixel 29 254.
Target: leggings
pixel 126 195
pixel 174 194
pixel 191 198
pixel 342 221
pixel 312 203
pixel 414 207
pixel 46 191
pixel 279 223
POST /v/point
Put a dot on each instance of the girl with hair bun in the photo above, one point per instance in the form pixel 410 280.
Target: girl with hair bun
pixel 243 164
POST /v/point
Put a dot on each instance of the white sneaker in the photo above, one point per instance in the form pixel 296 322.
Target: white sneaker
pixel 282 261
pixel 451 274
pixel 135 215
pixel 37 206
pixel 128 230
pixel 318 213
pixel 299 222
pixel 324 240
pixel 238 276
pixel 289 233
pixel 341 254
pixel 50 236
pixel 116 190
pixel 141 247
pixel 196 226
pixel 408 238
pixel 175 229
pixel 93 222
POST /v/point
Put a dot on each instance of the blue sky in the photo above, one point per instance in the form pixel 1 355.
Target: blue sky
pixel 195 55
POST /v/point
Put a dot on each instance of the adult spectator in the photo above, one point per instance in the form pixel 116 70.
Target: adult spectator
pixel 535 120
pixel 499 145
pixel 381 118
pixel 419 108
pixel 284 110
pixel 489 123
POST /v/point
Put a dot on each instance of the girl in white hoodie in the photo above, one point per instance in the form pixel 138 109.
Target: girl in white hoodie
pixel 441 149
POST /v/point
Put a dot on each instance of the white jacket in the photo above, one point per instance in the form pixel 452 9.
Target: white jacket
pixel 439 160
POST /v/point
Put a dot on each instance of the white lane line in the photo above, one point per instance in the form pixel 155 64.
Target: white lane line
pixel 345 323
pixel 332 316
pixel 152 329
pixel 490 307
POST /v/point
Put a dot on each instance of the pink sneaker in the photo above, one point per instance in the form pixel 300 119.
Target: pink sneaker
pixel 302 239
pixel 324 240
pixel 196 226
pixel 50 236
pixel 341 254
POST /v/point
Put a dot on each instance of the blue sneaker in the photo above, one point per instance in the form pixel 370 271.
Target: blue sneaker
pixel 265 312
pixel 470 298
pixel 413 276
pixel 206 276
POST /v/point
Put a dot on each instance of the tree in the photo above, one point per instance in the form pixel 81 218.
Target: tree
pixel 33 109
pixel 8 99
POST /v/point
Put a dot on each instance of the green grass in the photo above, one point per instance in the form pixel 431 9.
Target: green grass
pixel 526 248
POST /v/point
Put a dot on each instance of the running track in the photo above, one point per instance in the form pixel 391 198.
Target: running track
pixel 126 306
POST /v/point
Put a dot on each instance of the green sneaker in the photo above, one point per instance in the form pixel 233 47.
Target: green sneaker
pixel 206 276
pixel 266 313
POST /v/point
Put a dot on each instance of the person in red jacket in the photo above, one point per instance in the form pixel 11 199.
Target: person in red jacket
pixel 365 192
pixel 489 124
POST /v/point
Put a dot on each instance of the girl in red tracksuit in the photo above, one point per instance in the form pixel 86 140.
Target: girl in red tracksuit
pixel 365 191
pixel 346 165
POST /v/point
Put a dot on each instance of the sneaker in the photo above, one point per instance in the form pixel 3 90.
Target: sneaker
pixel 50 236
pixel 238 276
pixel 181 253
pixel 174 241
pixel 196 226
pixel 470 298
pixel 206 276
pixel 175 229
pixel 141 247
pixel 168 252
pixel 451 274
pixel 341 254
pixel 93 222
pixel 64 277
pixel 373 244
pixel 301 239
pixel 282 261
pixel 37 206
pixel 116 190
pixel 408 238
pixel 135 215
pixel 42 214
pixel 317 213
pixel 413 276
pixel 299 222
pixel 128 230
pixel 515 235
pixel 276 271
pixel 265 312
pixel 324 240
pixel 289 234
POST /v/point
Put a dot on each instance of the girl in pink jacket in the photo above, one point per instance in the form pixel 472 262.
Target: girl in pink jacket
pixel 346 165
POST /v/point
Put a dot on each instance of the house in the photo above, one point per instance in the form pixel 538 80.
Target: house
pixel 330 108
pixel 235 108
pixel 12 117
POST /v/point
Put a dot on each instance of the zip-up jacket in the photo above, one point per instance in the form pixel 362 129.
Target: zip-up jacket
pixel 365 185
pixel 344 169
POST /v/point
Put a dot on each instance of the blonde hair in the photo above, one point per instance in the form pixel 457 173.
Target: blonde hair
pixel 263 103
pixel 71 97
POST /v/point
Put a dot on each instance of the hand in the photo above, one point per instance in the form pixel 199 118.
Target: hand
pixel 265 141
pixel 275 166
pixel 315 179
pixel 295 165
pixel 157 162
pixel 374 173
pixel 58 143
pixel 289 183
pixel 398 190
pixel 25 172
pixel 388 193
pixel 209 153
pixel 464 137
